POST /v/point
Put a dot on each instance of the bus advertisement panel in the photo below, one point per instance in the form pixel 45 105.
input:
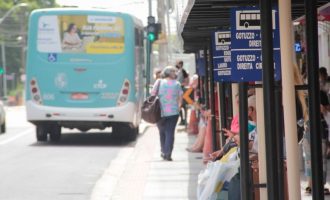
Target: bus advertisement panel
pixel 91 34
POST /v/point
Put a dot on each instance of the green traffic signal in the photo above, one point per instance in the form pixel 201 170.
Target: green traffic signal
pixel 153 30
pixel 1 70
pixel 151 37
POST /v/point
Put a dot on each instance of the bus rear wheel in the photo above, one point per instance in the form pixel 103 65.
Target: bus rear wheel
pixel 131 133
pixel 3 127
pixel 126 131
pixel 41 133
pixel 55 133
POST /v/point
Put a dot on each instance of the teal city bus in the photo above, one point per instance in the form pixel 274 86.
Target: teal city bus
pixel 85 71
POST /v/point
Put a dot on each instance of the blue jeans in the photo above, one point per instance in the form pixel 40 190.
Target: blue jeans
pixel 166 127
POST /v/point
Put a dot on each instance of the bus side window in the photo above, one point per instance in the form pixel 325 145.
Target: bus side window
pixel 141 35
pixel 137 36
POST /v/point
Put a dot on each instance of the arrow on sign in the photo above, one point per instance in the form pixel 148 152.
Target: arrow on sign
pixel 186 96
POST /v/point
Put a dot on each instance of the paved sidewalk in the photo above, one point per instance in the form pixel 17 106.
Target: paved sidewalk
pixel 142 174
pixel 148 177
pixel 176 179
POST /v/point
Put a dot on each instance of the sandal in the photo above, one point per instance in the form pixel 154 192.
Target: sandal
pixel 193 150
pixel 308 190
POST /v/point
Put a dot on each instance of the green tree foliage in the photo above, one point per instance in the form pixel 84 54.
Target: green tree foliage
pixel 34 4
pixel 13 33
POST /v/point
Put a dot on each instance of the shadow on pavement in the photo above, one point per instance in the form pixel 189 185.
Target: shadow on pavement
pixel 195 166
pixel 88 139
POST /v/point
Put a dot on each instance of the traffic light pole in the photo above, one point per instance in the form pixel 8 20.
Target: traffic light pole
pixel 3 58
pixel 149 45
pixel 150 7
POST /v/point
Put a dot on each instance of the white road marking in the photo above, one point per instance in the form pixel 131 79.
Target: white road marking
pixel 15 137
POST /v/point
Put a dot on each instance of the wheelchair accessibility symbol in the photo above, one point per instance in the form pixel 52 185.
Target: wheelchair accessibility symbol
pixel 52 57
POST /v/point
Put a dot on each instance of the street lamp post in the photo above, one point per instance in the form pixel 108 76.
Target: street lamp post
pixel 3 47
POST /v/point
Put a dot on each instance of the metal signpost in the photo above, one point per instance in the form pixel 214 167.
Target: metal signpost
pixel 246 44
pixel 200 63
pixel 221 53
pixel 247 65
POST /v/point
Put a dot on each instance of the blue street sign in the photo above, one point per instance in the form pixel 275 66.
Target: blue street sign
pixel 297 47
pixel 221 44
pixel 200 63
pixel 246 45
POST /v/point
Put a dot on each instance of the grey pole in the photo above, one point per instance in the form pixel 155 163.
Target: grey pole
pixel 244 144
pixel 149 46
pixel 3 58
pixel 206 83
pixel 314 99
pixel 148 67
pixel 169 45
pixel 212 100
pixel 269 98
pixel 279 139
pixel 150 7
pixel 223 111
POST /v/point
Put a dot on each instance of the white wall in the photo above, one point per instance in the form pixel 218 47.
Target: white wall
pixel 324 45
pixel 189 62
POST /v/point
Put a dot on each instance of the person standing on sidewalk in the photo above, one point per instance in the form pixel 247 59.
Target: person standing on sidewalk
pixel 183 78
pixel 170 95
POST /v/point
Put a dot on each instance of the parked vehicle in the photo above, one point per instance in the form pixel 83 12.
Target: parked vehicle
pixel 2 118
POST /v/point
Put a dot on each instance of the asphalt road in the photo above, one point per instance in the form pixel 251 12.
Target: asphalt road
pixel 67 170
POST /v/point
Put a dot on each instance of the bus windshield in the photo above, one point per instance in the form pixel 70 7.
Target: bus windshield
pixel 84 34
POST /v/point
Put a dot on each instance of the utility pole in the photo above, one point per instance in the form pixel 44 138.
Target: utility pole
pixel 148 51
pixel 149 46
pixel 163 51
pixel 169 9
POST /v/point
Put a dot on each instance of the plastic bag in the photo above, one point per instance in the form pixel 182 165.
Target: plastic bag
pixel 203 177
pixel 212 179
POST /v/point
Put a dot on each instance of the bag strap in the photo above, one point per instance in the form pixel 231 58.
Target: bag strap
pixel 158 86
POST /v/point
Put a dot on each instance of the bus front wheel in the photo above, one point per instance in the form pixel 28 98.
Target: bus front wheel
pixel 41 132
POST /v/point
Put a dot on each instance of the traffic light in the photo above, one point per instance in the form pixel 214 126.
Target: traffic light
pixel 153 29
pixel 1 70
pixel 151 32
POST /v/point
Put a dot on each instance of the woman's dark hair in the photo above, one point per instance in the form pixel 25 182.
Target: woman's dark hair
pixel 70 27
pixel 323 71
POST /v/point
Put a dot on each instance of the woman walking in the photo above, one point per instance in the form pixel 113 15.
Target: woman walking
pixel 170 95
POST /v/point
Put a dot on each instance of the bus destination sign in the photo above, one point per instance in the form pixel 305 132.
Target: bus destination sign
pixel 246 45
pixel 221 56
